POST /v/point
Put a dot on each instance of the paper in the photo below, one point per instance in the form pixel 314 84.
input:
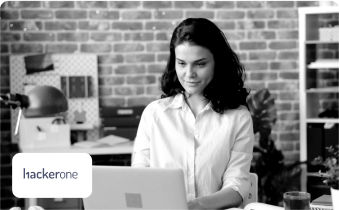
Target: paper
pixel 106 141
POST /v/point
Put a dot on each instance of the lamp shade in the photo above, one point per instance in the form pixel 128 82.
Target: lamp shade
pixel 45 100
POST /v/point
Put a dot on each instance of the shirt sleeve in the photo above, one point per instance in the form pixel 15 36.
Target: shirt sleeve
pixel 141 150
pixel 237 171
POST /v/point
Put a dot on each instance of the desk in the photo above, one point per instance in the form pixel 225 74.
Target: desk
pixel 124 148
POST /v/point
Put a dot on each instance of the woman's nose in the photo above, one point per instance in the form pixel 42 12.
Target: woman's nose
pixel 190 73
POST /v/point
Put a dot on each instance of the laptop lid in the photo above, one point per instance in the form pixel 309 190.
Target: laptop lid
pixel 115 187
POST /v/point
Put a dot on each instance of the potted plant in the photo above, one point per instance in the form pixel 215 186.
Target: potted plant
pixel 331 176
pixel 275 177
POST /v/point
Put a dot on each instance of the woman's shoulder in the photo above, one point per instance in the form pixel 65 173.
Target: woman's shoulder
pixel 240 111
pixel 159 104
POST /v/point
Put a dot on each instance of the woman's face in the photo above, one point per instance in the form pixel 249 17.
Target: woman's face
pixel 194 66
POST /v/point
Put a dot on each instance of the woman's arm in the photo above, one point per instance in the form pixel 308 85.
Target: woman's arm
pixel 225 198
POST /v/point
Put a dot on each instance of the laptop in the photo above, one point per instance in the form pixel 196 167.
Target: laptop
pixel 117 187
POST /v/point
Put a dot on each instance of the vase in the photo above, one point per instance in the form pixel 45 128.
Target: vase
pixel 335 198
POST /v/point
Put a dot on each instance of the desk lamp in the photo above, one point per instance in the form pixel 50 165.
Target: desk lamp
pixel 39 102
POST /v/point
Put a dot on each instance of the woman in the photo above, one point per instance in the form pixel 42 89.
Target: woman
pixel 201 124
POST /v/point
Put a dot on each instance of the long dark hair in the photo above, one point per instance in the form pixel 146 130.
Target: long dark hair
pixel 226 90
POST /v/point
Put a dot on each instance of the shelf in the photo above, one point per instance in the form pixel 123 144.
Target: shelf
pixel 321 120
pixel 323 90
pixel 324 64
pixel 321 42
pixel 315 174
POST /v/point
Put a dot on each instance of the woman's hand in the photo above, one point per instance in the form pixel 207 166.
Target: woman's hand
pixel 194 204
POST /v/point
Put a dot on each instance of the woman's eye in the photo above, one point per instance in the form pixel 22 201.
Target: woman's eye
pixel 201 64
pixel 181 63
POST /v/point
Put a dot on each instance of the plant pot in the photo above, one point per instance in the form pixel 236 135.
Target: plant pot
pixel 335 200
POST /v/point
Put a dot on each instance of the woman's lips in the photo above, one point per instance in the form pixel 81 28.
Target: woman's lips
pixel 191 83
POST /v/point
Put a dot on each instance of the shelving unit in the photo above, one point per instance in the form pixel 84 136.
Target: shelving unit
pixel 318 90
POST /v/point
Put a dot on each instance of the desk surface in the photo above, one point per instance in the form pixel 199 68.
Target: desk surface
pixel 124 148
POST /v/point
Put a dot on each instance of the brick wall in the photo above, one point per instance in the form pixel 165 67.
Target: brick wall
pixel 131 42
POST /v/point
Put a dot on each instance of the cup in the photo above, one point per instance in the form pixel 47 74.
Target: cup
pixel 297 200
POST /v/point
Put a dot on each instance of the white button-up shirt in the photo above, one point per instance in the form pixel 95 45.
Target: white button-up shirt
pixel 214 151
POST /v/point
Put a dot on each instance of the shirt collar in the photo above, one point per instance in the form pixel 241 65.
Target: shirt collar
pixel 179 101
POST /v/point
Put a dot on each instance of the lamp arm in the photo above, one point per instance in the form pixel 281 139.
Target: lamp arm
pixel 14 100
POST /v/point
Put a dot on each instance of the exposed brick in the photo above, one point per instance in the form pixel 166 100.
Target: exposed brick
pixel 96 47
pixel 124 4
pixel 94 25
pixel 288 55
pixel 252 45
pixel 105 70
pixel 234 35
pixel 278 4
pixel 253 85
pixel 25 25
pixel 6 135
pixel 261 35
pixel 263 55
pixel 163 57
pixel 255 65
pixel 58 4
pixel 111 102
pixel 283 106
pixel 9 14
pixel 106 36
pixel 220 4
pixel 71 14
pixel 4 81
pixel 152 25
pixel 103 14
pixel 242 56
pixel 61 48
pixel 39 37
pixel 139 80
pixel 153 90
pixel 140 101
pixel 284 34
pixel 289 75
pixel 262 14
pixel 263 76
pixel 288 116
pixel 27 48
pixel 79 37
pixel 230 14
pixel 60 25
pixel 8 37
pixel 110 59
pixel 157 4
pixel 116 80
pixel 283 65
pixel 288 146
pixel 283 85
pixel 250 24
pixel 156 47
pixel 36 14
pixel 200 14
pixel 3 26
pixel 126 25
pixel 128 91
pixel 139 36
pixel 92 4
pixel 24 4
pixel 288 96
pixel 156 68
pixel 163 36
pixel 128 47
pixel 163 14
pixel 282 45
pixel 130 69
pixel 188 4
pixel 134 58
pixel 132 15
pixel 289 136
pixel 250 4
pixel 287 14
pixel 105 91
pixel 307 3
pixel 4 48
pixel 225 25
pixel 281 24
